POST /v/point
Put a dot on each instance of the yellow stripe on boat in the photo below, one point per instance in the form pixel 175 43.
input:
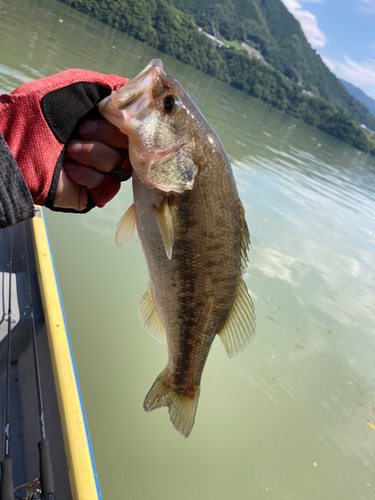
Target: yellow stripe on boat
pixel 80 466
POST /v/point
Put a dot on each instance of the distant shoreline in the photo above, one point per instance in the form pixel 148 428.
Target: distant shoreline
pixel 175 33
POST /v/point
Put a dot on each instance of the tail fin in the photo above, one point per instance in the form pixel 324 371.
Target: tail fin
pixel 181 408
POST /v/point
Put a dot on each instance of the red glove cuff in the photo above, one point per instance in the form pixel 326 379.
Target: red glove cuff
pixel 125 164
pixel 106 190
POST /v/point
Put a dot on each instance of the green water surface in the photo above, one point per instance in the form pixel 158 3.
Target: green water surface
pixel 288 418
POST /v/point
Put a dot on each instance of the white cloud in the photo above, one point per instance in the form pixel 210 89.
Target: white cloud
pixel 308 22
pixel 360 74
pixel 330 64
pixel 368 6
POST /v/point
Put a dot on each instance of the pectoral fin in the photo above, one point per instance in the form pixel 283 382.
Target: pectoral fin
pixel 126 227
pixel 150 317
pixel 239 329
pixel 165 225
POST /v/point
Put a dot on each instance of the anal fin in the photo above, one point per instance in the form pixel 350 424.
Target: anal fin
pixel 239 329
pixel 150 317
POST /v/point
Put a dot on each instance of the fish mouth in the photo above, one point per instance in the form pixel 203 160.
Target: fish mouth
pixel 131 92
pixel 161 155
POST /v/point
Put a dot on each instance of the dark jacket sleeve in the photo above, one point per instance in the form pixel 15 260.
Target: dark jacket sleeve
pixel 16 203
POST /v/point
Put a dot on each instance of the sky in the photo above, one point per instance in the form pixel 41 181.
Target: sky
pixel 343 34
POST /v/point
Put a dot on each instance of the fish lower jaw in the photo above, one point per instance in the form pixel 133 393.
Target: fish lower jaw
pixel 116 117
pixel 143 175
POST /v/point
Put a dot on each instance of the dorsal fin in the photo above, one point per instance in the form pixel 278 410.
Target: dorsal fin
pixel 239 329
pixel 245 238
pixel 150 317
pixel 126 227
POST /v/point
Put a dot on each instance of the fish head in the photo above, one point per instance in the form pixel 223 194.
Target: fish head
pixel 159 118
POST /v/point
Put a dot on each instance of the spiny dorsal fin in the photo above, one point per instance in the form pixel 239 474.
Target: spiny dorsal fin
pixel 165 225
pixel 239 329
pixel 245 238
pixel 150 317
pixel 126 227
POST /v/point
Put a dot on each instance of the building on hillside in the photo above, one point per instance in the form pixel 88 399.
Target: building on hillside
pixel 367 130
pixel 308 92
pixel 253 52
pixel 218 42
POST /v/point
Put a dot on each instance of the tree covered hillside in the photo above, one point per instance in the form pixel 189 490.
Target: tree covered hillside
pixel 368 101
pixel 163 26
pixel 269 27
pixel 156 23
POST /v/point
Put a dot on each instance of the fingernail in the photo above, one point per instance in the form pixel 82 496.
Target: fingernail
pixel 74 147
pixel 88 128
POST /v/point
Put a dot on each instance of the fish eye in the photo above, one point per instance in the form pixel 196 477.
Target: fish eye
pixel 171 103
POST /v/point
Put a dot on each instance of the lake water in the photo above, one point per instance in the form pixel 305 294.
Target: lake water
pixel 290 418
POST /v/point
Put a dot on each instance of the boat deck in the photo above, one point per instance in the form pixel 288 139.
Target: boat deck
pixel 24 417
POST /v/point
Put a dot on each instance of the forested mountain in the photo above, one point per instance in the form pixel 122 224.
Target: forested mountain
pixel 269 27
pixel 358 94
pixel 293 69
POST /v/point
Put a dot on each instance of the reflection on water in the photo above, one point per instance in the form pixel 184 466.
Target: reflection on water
pixel 291 416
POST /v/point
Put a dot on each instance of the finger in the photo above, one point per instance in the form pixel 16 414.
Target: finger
pixel 69 194
pixel 94 154
pixel 83 175
pixel 105 132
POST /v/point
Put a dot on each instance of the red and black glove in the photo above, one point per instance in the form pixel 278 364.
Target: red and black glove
pixel 40 117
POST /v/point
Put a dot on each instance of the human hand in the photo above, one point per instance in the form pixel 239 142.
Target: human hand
pixel 38 120
pixel 88 162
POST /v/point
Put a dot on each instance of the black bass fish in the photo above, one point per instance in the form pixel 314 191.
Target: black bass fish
pixel 193 232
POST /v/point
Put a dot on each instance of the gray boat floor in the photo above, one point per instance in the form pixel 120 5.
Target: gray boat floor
pixel 24 414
